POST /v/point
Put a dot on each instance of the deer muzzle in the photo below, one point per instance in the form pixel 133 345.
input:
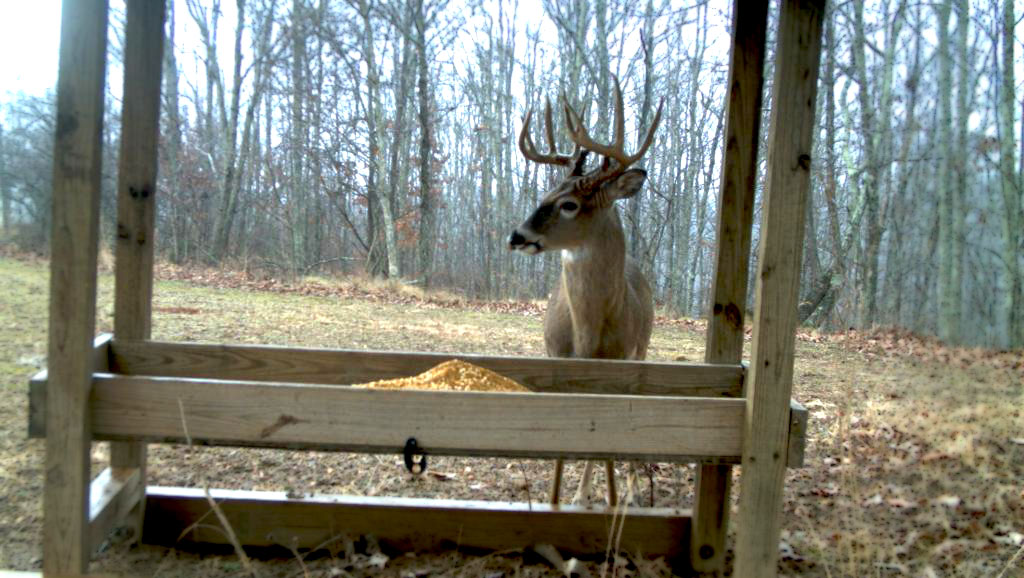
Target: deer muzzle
pixel 525 242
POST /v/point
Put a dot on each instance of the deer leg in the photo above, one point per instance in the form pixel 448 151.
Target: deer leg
pixel 609 472
pixel 556 484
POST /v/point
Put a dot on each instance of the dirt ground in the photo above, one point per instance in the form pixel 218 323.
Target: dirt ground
pixel 914 462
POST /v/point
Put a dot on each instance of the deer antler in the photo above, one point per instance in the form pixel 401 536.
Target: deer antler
pixel 530 151
pixel 613 151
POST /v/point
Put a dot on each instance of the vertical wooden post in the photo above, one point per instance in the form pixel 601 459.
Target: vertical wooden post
pixel 136 199
pixel 770 382
pixel 73 245
pixel 735 219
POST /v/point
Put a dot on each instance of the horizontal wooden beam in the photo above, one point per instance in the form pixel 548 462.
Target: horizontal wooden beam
pixel 37 386
pixel 267 519
pixel 324 417
pixel 112 495
pixel 797 434
pixel 302 416
pixel 342 367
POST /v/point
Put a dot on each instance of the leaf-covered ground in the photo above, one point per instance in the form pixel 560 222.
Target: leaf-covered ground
pixel 915 457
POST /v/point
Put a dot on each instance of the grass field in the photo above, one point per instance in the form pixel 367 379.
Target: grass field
pixel 914 466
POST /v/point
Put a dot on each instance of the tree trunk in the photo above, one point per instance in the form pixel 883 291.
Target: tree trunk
pixel 948 312
pixel 428 216
pixel 397 172
pixel 1011 302
pixel 5 188
pixel 959 167
pixel 379 259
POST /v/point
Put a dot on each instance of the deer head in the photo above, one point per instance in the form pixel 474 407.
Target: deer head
pixel 565 217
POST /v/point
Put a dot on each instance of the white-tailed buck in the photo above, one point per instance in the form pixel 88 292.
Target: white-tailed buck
pixel 602 306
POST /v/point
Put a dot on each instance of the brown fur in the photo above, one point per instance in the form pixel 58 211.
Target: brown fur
pixel 602 306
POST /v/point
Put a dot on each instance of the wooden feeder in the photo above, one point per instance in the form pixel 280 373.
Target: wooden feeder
pixel 130 390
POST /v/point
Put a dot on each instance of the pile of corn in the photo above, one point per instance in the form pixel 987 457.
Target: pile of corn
pixel 453 375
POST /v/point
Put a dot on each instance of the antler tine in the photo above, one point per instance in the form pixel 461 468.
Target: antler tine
pixel 525 143
pixel 620 124
pixel 650 132
pixel 547 124
pixel 581 137
pixel 529 150
pixel 614 151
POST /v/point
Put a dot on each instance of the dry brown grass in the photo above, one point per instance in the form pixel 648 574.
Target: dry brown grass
pixel 914 461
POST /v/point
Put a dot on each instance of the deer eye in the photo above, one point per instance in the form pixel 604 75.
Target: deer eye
pixel 569 209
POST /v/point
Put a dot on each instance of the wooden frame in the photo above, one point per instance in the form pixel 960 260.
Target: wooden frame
pixel 269 519
pixel 131 390
pixel 140 392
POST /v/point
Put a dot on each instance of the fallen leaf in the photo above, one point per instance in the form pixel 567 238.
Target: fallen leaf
pixel 875 500
pixel 901 504
pixel 379 560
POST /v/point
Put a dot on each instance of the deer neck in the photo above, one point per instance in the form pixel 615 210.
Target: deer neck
pixel 593 273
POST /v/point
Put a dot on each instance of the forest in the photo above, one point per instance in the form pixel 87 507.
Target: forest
pixel 380 139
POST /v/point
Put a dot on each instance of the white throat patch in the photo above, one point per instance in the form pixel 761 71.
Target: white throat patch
pixel 570 256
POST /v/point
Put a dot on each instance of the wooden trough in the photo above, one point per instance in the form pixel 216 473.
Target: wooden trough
pixel 130 390
pixel 291 398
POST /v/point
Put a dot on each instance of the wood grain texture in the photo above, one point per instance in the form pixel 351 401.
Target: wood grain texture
pixel 137 169
pixel 103 430
pixel 769 386
pixel 578 426
pixel 72 315
pixel 38 383
pixel 739 175
pixel 711 501
pixel 797 434
pixel 341 367
pixel 729 287
pixel 136 192
pixel 112 495
pixel 410 524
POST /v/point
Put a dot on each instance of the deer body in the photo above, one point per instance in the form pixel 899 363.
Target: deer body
pixel 602 306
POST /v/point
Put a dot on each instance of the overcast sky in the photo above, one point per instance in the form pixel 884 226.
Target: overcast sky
pixel 29 40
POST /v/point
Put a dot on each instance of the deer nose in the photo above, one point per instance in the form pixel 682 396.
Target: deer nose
pixel 516 240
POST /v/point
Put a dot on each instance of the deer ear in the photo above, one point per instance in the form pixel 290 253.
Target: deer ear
pixel 626 185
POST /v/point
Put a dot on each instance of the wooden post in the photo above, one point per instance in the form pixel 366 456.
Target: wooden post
pixel 136 199
pixel 73 245
pixel 735 218
pixel 770 382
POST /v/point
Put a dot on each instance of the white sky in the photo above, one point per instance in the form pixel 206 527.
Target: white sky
pixel 29 43
pixel 30 40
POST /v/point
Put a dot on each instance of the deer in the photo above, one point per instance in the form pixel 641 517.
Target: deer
pixel 602 305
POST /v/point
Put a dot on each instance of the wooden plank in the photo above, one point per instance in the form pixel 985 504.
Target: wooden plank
pixel 729 290
pixel 739 176
pixel 711 501
pixel 767 419
pixel 108 428
pixel 408 524
pixel 136 194
pixel 300 416
pixel 112 495
pixel 72 315
pixel 37 386
pixel 344 367
pixel 797 434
